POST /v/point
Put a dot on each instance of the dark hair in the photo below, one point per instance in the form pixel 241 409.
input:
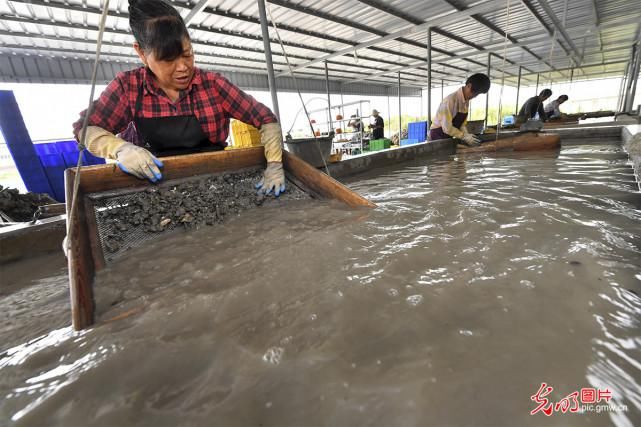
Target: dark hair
pixel 564 97
pixel 480 83
pixel 545 93
pixel 158 28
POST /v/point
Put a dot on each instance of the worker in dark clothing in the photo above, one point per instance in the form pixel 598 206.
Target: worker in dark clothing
pixel 378 126
pixel 533 106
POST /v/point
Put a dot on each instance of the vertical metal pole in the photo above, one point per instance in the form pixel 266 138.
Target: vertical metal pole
pixel 442 89
pixel 429 78
pixel 268 57
pixel 400 120
pixel 487 97
pixel 630 77
pixel 634 79
pixel 389 112
pixel 536 91
pixel 621 98
pixel 518 92
pixel 329 101
pixel 571 75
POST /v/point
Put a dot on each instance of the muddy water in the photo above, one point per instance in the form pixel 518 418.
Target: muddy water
pixel 476 280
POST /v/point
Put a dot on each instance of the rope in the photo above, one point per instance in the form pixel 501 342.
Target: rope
pixel 507 31
pixel 83 131
pixel 291 71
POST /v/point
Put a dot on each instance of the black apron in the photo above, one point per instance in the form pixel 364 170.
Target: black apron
pixel 171 136
pixel 378 132
pixel 457 122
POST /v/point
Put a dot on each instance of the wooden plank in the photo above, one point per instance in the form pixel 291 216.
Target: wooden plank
pixel 80 260
pixel 322 184
pixel 526 142
pixel 110 177
pixel 94 237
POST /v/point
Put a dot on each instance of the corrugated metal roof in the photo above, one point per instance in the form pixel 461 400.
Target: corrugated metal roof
pixel 593 37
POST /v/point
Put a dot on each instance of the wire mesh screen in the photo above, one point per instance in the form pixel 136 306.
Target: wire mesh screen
pixel 127 219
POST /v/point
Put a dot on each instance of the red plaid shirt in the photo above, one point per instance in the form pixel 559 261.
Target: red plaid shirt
pixel 212 98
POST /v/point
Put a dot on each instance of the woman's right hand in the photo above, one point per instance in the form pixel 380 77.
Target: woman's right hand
pixel 138 162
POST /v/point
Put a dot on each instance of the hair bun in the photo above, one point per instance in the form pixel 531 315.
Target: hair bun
pixel 132 4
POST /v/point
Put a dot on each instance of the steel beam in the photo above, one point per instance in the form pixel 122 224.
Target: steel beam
pixel 530 7
pixel 195 11
pixel 622 87
pixel 356 25
pixel 518 92
pixel 209 10
pixel 220 31
pixel 487 97
pixel 429 78
pixel 262 11
pixel 329 99
pixel 389 112
pixel 382 6
pixel 448 18
pixel 499 31
pixel 324 36
pixel 634 78
pixel 400 116
pixel 561 29
pixel 418 64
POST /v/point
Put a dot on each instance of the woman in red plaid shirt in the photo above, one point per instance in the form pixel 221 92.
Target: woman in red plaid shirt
pixel 170 107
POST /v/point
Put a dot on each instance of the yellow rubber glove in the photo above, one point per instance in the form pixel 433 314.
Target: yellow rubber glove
pixel 271 136
pixel 102 143
pixel 131 159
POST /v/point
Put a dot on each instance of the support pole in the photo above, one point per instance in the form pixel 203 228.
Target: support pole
pixel 400 120
pixel 442 89
pixel 518 92
pixel 538 77
pixel 634 78
pixel 487 97
pixel 630 78
pixel 268 57
pixel 429 79
pixel 389 112
pixel 621 97
pixel 329 101
pixel 623 86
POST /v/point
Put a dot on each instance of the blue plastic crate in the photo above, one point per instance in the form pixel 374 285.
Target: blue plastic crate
pixel 56 177
pixel 508 120
pixel 409 141
pixel 54 168
pixel 52 160
pixel 69 146
pixel 20 145
pixel 32 174
pixel 71 159
pixel 46 149
pixel 417 130
pixel 69 151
